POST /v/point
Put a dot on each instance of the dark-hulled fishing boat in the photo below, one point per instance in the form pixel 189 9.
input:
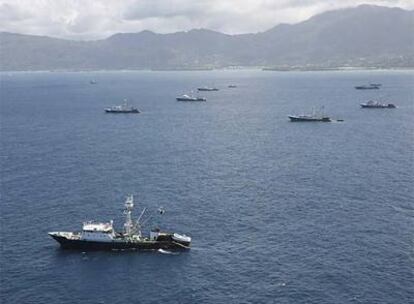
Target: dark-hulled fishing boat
pixel 377 105
pixel 122 109
pixel 190 98
pixel 102 236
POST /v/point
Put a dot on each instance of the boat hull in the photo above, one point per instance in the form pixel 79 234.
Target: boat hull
pixel 122 112
pixel 367 87
pixel 309 119
pixel 86 245
pixel 377 107
pixel 207 89
pixel 189 100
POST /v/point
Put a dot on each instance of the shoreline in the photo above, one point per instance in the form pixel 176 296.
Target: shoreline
pixel 264 69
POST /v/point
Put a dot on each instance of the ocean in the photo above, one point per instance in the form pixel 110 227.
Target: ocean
pixel 279 212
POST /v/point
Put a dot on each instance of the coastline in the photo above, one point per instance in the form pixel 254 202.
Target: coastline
pixel 255 68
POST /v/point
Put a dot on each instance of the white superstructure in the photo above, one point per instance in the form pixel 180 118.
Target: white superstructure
pixel 98 232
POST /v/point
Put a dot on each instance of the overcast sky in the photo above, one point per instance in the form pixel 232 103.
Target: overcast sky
pixel 95 19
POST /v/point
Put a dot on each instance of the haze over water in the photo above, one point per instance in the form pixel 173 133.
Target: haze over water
pixel 279 212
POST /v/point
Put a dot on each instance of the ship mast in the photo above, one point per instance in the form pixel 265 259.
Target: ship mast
pixel 129 205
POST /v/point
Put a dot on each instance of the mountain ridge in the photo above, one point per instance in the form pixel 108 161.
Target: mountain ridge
pixel 362 36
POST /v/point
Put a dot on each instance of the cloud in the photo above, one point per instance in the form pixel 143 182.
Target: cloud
pixel 144 9
pixel 12 13
pixel 95 19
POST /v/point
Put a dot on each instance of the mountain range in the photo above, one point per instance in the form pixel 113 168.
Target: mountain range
pixel 363 36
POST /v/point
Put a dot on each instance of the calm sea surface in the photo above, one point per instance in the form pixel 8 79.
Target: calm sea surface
pixel 279 212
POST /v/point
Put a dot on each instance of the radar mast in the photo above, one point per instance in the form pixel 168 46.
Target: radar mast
pixel 129 205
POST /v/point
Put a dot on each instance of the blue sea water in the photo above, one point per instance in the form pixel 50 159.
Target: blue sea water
pixel 279 212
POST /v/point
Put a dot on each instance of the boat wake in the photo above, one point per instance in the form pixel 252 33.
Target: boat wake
pixel 163 251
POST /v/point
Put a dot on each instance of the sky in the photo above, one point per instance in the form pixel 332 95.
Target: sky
pixel 98 19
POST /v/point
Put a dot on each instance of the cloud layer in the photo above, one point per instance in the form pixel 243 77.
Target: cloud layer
pixel 95 19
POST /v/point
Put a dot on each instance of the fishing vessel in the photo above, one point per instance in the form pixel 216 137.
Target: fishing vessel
pixel 377 105
pixel 186 97
pixel 207 89
pixel 122 109
pixel 103 236
pixel 314 117
pixel 308 118
pixel 371 86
